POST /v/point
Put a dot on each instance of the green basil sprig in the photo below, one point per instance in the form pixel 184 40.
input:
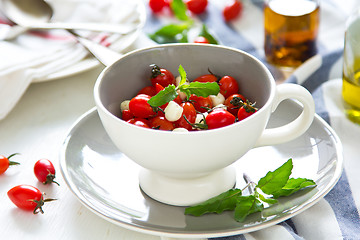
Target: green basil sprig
pixel 275 184
pixel 171 92
pixel 178 32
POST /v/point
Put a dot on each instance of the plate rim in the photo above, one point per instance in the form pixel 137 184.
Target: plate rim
pixel 135 227
pixel 88 63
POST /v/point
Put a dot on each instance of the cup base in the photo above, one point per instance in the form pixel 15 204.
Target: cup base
pixel 186 191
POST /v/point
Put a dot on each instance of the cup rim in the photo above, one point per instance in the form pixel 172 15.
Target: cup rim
pixel 100 105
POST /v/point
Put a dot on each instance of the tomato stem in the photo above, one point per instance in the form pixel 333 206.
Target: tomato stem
pixel 217 76
pixel 41 203
pixel 197 125
pixel 12 162
pixel 155 70
pixel 50 178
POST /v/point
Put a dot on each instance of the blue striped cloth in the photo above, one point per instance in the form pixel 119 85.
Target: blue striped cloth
pixel 336 216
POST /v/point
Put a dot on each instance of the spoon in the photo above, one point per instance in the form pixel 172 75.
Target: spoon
pixel 16 10
pixel 36 14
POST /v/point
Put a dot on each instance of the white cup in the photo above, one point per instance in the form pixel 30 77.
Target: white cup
pixel 186 168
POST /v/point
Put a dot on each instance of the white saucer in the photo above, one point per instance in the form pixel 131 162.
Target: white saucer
pixel 106 181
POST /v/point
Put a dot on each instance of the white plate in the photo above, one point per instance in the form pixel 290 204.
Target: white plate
pixel 137 17
pixel 106 181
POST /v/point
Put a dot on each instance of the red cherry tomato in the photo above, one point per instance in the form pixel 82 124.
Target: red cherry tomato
pixel 234 102
pixel 140 107
pixel 158 88
pixel 196 6
pixel 139 122
pixel 201 39
pixel 201 104
pixel 245 111
pixel 219 118
pixel 28 198
pixel 228 86
pixel 5 162
pixel 45 171
pixel 206 78
pixel 178 100
pixel 161 123
pixel 126 115
pixel 148 90
pixel 232 10
pixel 156 5
pixel 189 113
pixel 161 76
pixel 167 3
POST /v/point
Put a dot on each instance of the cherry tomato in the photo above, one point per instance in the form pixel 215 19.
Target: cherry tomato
pixel 189 113
pixel 201 104
pixel 167 3
pixel 140 122
pixel 228 86
pixel 161 76
pixel 206 78
pixel 28 198
pixel 161 123
pixel 156 5
pixel 5 162
pixel 158 88
pixel 246 110
pixel 148 90
pixel 126 115
pixel 232 10
pixel 178 100
pixel 201 39
pixel 140 107
pixel 234 102
pixel 219 118
pixel 196 6
pixel 45 171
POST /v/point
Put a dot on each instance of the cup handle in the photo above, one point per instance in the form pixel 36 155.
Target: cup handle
pixel 297 127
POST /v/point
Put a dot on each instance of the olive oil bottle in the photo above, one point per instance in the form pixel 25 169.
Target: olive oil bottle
pixel 351 95
pixel 351 69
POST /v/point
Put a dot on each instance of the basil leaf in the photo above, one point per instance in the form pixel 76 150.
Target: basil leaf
pixel 218 204
pixel 179 9
pixel 294 185
pixel 205 33
pixel 166 95
pixel 172 33
pixel 267 200
pixel 245 206
pixel 202 89
pixel 182 73
pixel 276 180
pixel 182 37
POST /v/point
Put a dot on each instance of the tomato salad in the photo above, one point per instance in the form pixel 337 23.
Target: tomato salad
pixel 176 104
